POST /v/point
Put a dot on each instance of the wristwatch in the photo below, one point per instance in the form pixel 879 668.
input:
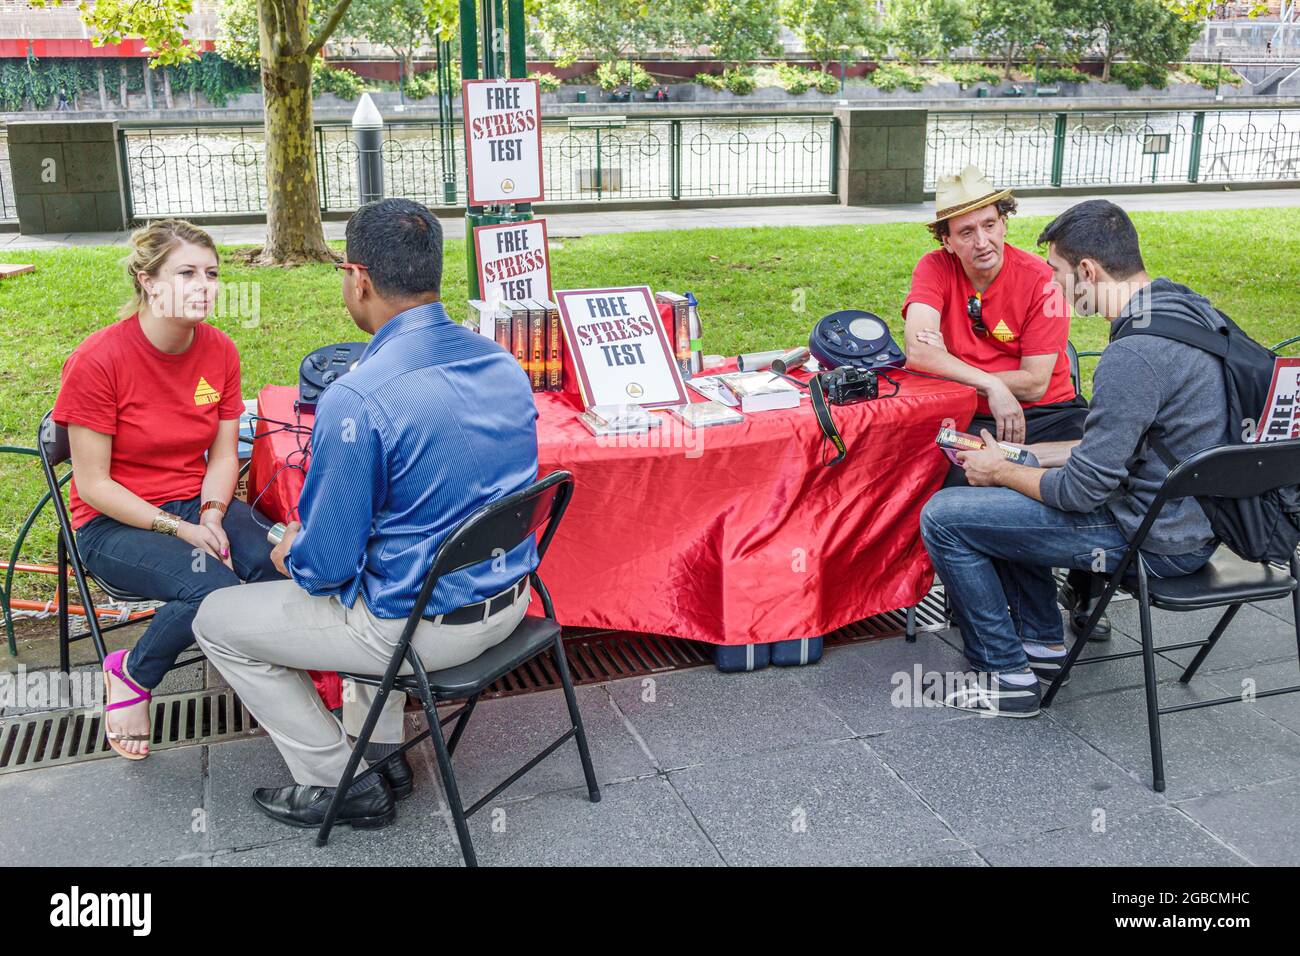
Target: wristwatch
pixel 166 523
pixel 214 503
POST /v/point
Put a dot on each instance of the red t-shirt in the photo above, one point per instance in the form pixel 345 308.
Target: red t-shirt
pixel 1023 309
pixel 162 410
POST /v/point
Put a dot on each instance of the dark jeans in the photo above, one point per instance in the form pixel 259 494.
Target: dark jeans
pixel 159 567
pixel 994 549
pixel 1060 421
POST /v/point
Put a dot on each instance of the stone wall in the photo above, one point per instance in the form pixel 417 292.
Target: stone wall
pixel 67 177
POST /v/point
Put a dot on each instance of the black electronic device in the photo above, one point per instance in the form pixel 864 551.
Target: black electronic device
pixel 843 386
pixel 854 337
pixel 323 367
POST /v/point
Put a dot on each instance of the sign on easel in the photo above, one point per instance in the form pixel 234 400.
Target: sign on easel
pixel 503 141
pixel 618 347
pixel 513 262
pixel 1281 419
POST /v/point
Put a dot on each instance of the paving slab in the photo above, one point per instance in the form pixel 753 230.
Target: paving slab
pixel 639 823
pixel 1284 708
pixel 1259 822
pixel 882 685
pixel 1252 636
pixel 110 812
pixel 503 735
pixel 830 804
pixel 698 715
pixel 994 779
pixel 1157 837
pixel 1205 751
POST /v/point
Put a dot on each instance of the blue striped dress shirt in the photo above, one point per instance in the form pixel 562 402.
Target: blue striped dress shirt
pixel 434 422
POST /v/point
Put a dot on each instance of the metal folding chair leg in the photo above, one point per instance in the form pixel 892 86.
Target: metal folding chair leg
pixel 350 771
pixel 575 718
pixel 1213 639
pixel 1149 678
pixel 65 637
pixel 448 779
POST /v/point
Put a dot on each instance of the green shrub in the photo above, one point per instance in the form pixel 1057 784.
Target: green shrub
pixel 739 81
pixel 827 83
pixel 890 76
pixel 1061 74
pixel 712 81
pixel 344 84
pixel 794 79
pixel 1137 75
pixel 546 82
pixel 618 73
pixel 972 73
pixel 1211 77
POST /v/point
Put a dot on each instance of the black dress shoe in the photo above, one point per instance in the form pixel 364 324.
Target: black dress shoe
pixel 397 771
pixel 304 807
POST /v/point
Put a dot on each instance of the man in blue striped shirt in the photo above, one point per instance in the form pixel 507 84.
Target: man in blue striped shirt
pixel 434 422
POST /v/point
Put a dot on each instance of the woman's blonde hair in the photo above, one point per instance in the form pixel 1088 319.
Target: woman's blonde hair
pixel 150 246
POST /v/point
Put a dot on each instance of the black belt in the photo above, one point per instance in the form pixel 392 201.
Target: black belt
pixel 473 613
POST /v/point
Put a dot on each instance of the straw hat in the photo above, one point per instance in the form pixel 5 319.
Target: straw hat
pixel 964 192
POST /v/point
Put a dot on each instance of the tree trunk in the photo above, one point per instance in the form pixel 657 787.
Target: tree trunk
pixel 1105 68
pixel 1011 55
pixel 293 226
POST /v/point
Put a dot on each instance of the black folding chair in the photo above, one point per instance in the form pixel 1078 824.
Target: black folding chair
pixel 503 524
pixel 1227 471
pixel 52 443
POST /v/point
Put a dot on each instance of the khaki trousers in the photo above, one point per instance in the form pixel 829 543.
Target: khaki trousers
pixel 264 637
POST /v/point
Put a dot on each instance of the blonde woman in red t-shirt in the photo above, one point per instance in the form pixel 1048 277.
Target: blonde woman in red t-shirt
pixel 152 406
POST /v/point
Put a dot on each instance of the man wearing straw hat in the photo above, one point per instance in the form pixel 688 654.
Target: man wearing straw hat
pixel 984 313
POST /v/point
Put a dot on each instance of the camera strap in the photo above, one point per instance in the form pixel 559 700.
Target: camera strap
pixel 823 412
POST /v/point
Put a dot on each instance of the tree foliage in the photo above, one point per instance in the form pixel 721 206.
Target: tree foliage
pixel 830 28
pixel 921 29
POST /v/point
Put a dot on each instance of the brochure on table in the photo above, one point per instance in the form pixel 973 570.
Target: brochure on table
pixel 503 137
pixel 513 262
pixel 618 348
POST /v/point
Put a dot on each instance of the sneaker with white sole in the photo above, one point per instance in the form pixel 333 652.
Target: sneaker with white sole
pixel 988 696
pixel 1045 666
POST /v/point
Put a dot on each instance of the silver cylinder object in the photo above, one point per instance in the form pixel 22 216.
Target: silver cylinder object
pixel 276 533
pixel 757 361
pixel 791 359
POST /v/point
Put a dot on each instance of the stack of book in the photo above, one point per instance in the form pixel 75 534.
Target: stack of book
pixel 750 391
pixel 529 329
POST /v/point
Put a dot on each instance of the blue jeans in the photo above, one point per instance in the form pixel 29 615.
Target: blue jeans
pixel 159 567
pixel 994 549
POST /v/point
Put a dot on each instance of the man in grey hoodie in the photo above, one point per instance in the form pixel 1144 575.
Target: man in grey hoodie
pixel 994 544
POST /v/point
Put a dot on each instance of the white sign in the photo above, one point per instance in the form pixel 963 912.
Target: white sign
pixel 512 261
pixel 503 141
pixel 617 343
pixel 1281 419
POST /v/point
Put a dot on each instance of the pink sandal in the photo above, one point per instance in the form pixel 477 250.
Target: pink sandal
pixel 113 665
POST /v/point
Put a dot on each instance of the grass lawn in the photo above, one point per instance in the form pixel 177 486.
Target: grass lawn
pixel 758 289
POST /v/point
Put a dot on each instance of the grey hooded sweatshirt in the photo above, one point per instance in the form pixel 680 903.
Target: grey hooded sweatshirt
pixel 1147 383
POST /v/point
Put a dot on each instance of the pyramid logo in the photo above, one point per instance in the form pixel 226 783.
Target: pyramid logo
pixel 205 394
pixel 1002 333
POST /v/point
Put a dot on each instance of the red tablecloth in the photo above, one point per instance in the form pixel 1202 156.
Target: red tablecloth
pixel 735 534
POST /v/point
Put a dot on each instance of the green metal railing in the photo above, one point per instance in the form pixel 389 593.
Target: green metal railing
pixel 1117 147
pixel 195 170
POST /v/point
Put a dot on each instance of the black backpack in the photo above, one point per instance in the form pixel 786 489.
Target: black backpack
pixel 1265 528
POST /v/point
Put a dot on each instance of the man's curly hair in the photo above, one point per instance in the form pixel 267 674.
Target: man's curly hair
pixel 1006 207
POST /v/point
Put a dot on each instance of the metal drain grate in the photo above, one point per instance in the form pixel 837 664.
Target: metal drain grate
pixel 48 739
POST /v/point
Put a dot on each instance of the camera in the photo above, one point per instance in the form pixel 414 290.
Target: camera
pixel 848 384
